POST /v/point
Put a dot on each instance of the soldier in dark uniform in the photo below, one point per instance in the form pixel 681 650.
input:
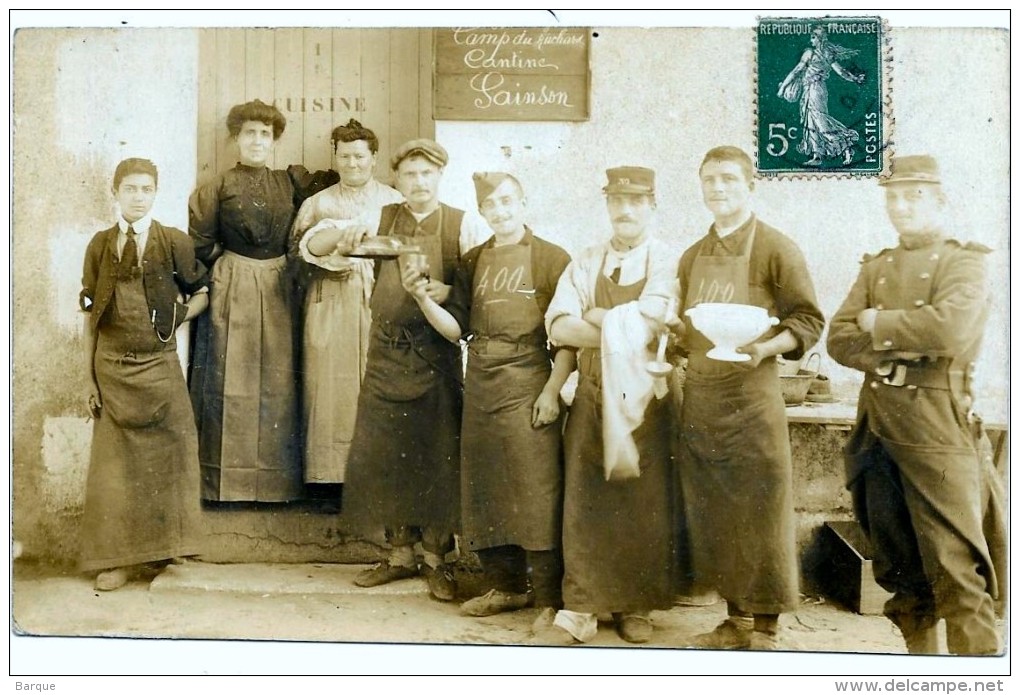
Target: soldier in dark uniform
pixel 918 464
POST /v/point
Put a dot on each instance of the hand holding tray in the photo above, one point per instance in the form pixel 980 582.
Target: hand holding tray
pixel 383 247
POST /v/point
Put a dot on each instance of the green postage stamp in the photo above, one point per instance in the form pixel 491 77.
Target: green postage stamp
pixel 821 96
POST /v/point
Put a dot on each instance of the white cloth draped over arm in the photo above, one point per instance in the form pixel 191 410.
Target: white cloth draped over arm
pixel 627 387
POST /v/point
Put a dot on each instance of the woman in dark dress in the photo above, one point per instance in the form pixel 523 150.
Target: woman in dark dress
pixel 244 383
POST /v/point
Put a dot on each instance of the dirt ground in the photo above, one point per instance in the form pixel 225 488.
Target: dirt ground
pixel 344 629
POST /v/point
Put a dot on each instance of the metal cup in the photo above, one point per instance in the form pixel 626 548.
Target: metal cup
pixel 419 262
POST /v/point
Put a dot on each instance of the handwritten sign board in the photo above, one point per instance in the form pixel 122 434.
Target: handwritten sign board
pixel 488 74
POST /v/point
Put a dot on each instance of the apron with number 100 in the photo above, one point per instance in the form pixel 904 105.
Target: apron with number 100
pixel 717 279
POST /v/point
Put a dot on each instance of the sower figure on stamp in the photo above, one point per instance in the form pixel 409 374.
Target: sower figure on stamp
pixel 610 303
pixel 918 463
pixel 824 137
pixel 404 467
pixel 734 453
pixel 511 453
pixel 142 492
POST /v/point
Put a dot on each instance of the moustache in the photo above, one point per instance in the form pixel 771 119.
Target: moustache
pixel 623 218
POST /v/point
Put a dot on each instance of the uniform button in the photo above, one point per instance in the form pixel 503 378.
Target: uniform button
pixel 925 276
pixel 890 259
pixel 887 343
pixel 933 257
pixel 881 281
pixel 880 306
pixel 874 384
pixel 918 302
pixel 911 387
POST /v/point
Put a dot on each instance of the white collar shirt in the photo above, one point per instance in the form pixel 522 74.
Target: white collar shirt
pixel 141 227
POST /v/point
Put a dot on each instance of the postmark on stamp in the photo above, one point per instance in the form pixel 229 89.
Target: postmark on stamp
pixel 821 96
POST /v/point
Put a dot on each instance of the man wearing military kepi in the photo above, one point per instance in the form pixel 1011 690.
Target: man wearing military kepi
pixel 618 496
pixel 918 463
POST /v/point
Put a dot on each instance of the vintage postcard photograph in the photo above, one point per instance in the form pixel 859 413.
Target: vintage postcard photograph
pixel 519 341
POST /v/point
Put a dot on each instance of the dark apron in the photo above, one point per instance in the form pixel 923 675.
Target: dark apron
pixel 511 475
pixel 134 378
pixel 617 535
pixel 406 356
pixel 391 303
pixel 735 456
pixel 142 491
pixel 404 466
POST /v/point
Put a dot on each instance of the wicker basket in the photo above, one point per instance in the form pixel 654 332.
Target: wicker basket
pixel 795 386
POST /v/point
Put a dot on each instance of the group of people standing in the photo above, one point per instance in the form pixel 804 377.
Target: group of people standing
pixel 578 519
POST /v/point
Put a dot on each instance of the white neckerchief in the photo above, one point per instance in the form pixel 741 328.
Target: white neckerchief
pixel 141 227
pixel 632 262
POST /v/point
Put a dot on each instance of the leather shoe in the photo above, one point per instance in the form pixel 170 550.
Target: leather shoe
pixel 384 573
pixel 726 635
pixel 633 627
pixel 442 586
pixel 773 642
pixel 111 580
pixel 494 602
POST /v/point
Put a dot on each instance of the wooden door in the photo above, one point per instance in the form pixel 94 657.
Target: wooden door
pixel 318 78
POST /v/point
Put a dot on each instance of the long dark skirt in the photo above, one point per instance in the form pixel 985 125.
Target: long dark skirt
pixel 244 384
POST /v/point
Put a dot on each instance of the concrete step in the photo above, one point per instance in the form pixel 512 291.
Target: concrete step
pixel 276 579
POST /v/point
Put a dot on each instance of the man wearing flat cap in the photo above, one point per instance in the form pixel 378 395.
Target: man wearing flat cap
pixel 404 467
pixel 734 459
pixel 511 465
pixel 611 304
pixel 919 466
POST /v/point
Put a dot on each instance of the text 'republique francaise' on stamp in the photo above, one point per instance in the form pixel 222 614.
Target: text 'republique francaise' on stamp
pixel 823 106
